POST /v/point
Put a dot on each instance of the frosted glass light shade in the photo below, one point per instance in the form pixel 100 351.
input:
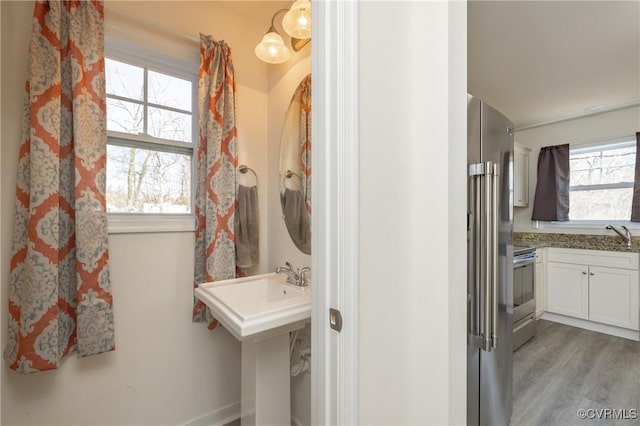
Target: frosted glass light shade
pixel 297 21
pixel 272 49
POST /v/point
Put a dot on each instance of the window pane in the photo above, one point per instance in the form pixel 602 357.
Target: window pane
pixel 147 181
pixel 619 157
pixel 618 174
pixel 584 161
pixel 169 91
pixel 585 177
pixel 169 125
pixel 126 117
pixel 124 80
pixel 604 204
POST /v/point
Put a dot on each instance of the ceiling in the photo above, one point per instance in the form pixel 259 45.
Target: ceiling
pixel 538 61
pixel 543 61
pixel 258 11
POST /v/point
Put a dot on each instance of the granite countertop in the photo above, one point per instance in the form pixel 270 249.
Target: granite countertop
pixel 576 241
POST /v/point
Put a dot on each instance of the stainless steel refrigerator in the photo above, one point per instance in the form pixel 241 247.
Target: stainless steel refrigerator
pixel 489 265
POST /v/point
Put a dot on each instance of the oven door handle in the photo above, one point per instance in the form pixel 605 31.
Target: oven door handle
pixel 523 262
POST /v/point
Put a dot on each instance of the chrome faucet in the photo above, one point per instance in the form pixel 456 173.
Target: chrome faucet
pixel 626 236
pixel 294 276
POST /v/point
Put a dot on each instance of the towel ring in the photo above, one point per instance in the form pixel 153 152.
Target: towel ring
pixel 288 174
pixel 244 169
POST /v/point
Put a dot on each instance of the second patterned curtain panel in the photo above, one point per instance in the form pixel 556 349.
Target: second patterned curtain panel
pixel 216 162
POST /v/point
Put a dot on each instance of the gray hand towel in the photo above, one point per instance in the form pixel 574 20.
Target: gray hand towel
pixel 247 227
pixel 296 218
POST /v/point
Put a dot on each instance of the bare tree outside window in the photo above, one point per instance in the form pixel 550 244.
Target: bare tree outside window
pixel 602 182
pixel 141 177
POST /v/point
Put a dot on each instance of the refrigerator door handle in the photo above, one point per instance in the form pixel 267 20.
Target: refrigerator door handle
pixel 495 254
pixel 476 256
pixel 472 254
pixel 488 254
pixel 483 293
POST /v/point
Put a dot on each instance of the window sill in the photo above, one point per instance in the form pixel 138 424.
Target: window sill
pixel 149 223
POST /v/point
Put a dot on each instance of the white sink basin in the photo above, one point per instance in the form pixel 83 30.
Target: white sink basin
pixel 256 305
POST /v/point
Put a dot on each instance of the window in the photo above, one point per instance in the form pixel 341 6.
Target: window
pixel 151 134
pixel 601 181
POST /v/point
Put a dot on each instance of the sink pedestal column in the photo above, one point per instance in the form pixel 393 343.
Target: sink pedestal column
pixel 265 373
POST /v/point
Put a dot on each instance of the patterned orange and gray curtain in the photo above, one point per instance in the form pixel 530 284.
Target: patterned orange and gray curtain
pixel 59 289
pixel 216 162
pixel 305 139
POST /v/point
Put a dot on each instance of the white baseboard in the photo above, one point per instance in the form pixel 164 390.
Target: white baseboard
pixel 593 326
pixel 219 417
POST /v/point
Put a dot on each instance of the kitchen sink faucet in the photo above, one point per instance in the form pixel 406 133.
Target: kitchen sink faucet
pixel 627 234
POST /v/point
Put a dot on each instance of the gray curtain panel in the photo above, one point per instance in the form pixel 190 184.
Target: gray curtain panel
pixel 635 205
pixel 551 201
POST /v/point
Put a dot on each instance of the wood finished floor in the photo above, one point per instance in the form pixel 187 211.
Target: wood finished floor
pixel 564 369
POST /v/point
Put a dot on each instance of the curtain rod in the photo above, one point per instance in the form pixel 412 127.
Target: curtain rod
pixel 152 25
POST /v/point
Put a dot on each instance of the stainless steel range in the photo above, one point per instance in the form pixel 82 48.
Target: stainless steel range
pixel 524 297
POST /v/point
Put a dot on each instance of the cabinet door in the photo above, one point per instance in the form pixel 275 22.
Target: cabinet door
pixel 568 289
pixel 520 176
pixel 540 289
pixel 613 296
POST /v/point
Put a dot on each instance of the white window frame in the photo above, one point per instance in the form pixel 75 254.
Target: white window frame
pixel 127 52
pixel 618 142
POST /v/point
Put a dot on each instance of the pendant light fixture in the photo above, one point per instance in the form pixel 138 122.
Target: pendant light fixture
pixel 296 23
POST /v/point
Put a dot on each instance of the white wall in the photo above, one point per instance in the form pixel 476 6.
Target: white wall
pixel 625 122
pixel 412 212
pixel 165 370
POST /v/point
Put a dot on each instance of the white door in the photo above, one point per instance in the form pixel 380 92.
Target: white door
pixel 613 296
pixel 334 251
pixel 568 289
pixel 429 379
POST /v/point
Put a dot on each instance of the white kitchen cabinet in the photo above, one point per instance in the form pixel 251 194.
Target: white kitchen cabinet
pixel 613 296
pixel 540 282
pixel 520 175
pixel 601 287
pixel 568 289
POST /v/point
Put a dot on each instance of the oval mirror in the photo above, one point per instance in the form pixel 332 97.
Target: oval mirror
pixel 295 167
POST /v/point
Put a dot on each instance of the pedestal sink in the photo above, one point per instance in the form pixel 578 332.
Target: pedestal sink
pixel 260 311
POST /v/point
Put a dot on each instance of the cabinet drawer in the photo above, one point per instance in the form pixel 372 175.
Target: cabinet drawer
pixel 611 259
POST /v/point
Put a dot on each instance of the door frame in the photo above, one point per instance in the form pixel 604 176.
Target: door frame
pixel 335 246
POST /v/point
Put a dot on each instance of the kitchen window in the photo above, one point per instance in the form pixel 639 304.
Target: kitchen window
pixel 601 180
pixel 151 139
